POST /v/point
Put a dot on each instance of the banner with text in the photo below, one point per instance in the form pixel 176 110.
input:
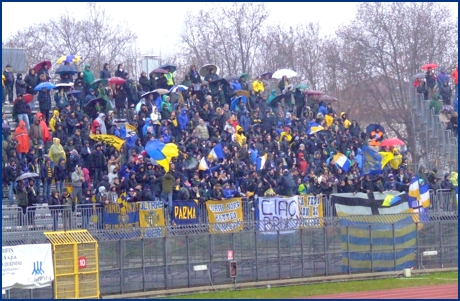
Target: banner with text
pixel 121 215
pixel 311 211
pixel 225 216
pixel 278 213
pixel 151 216
pixel 185 212
pixel 27 266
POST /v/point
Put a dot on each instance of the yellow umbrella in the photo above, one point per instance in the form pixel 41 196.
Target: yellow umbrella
pixel 69 58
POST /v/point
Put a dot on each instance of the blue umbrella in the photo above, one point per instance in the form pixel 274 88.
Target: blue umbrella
pixel 66 69
pixel 372 127
pixel 235 102
pixel 45 85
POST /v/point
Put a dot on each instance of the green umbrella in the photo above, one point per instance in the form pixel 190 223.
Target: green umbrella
pixel 95 83
pixel 245 75
pixel 301 87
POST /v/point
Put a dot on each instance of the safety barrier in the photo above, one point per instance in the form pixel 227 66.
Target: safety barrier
pixel 49 218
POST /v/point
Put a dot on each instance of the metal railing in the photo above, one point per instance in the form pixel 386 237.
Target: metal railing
pixel 436 146
pixel 145 264
pixel 91 217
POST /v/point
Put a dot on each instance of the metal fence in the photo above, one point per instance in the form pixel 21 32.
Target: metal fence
pixel 144 264
pixel 436 146
pixel 48 218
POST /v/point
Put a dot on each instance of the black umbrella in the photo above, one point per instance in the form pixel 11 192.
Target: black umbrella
pixel 276 100
pixel 263 75
pixel 172 68
pixel 90 106
pixel 219 81
pixel 66 69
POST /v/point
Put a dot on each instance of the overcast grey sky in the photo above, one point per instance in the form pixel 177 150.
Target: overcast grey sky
pixel 159 24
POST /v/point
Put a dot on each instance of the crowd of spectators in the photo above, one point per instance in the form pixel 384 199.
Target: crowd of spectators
pixel 59 149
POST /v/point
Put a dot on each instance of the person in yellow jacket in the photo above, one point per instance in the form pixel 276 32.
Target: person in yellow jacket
pixel 287 134
pixel 346 122
pixel 169 78
pixel 239 136
pixel 55 119
pixel 454 178
pixel 258 86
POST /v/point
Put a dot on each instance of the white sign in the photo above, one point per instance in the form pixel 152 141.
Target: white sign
pixel 27 266
pixel 278 213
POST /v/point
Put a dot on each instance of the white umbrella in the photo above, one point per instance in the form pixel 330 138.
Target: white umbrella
pixel 205 69
pixel 27 175
pixel 280 73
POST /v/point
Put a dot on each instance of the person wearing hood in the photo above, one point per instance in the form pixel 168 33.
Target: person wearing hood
pixel 299 98
pixel 120 99
pixel 90 96
pixel 442 78
pixel 455 79
pixel 258 86
pixel 113 173
pixel 44 101
pixel 77 182
pixel 21 110
pixel 166 101
pixel 54 120
pixel 105 72
pixel 60 174
pixel 21 136
pixel 446 93
pixel 56 151
pixel 183 119
pixel 31 81
pixel 10 173
pixel 98 162
pixel 346 122
pixel 239 136
pixel 99 123
pixel 20 85
pixel 88 76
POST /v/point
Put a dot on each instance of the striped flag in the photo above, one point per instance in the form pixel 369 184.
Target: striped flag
pixel 203 165
pixel 261 162
pixel 342 161
pixel 217 152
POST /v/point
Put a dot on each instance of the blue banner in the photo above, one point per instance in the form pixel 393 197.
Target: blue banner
pixel 122 215
pixel 185 212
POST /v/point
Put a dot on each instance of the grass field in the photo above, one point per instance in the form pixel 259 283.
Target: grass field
pixel 329 288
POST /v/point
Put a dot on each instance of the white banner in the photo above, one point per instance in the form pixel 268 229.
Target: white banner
pixel 278 213
pixel 27 266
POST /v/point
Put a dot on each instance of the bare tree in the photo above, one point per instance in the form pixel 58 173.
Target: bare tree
pixel 389 42
pixel 97 38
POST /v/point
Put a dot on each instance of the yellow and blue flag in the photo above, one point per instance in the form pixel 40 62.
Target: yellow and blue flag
pixel 372 161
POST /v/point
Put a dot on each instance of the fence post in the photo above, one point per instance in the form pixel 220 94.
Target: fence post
pixel 187 246
pixel 143 263
pixel 371 249
pixel 279 253
pixel 210 257
pixel 121 265
pixel 417 245
pixel 394 245
pixel 348 250
pixel 301 253
pixel 165 261
pixel 326 259
pixel 440 244
pixel 256 254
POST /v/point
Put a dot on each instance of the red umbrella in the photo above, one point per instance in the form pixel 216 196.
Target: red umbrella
pixel 40 65
pixel 116 80
pixel 28 98
pixel 432 66
pixel 392 142
pixel 310 92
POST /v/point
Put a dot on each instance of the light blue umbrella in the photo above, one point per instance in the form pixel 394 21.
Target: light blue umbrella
pixel 45 85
